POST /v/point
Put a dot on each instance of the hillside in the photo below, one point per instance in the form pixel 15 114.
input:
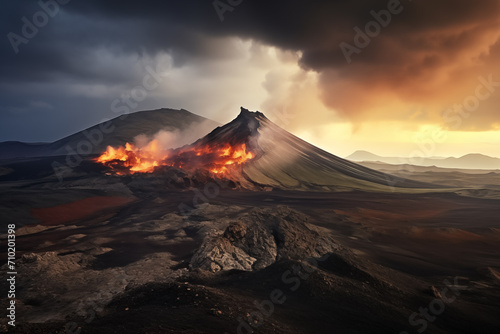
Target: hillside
pixel 118 131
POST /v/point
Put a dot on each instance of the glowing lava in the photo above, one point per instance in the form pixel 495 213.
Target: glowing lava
pixel 133 159
pixel 216 159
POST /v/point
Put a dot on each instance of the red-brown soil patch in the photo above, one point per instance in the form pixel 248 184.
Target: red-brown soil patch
pixel 84 208
pixel 443 234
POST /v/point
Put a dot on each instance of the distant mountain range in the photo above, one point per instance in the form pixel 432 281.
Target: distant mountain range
pixel 469 161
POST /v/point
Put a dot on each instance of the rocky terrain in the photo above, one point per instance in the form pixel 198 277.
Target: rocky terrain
pixel 153 273
pixel 315 245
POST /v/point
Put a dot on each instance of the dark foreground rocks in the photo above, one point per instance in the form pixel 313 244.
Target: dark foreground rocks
pixel 226 269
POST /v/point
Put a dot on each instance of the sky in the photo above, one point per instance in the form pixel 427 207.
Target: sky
pixel 396 78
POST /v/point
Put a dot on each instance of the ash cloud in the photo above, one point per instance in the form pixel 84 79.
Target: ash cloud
pixel 177 138
pixel 431 53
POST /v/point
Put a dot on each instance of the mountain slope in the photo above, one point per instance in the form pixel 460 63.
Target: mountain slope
pixel 118 131
pixel 285 161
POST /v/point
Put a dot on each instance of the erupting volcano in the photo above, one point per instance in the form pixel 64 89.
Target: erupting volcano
pixel 253 152
pixel 221 152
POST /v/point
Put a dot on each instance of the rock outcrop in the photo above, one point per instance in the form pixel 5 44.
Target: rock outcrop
pixel 260 238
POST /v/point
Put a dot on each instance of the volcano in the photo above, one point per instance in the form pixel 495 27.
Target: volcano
pixel 254 152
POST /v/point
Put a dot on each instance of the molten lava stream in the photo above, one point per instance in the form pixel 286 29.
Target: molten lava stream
pixel 223 159
pixel 216 159
pixel 132 158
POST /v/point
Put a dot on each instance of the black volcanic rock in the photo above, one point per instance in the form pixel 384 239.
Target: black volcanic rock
pixel 235 231
pixel 259 239
pixel 242 130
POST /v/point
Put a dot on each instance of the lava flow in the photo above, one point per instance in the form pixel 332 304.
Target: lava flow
pixel 130 159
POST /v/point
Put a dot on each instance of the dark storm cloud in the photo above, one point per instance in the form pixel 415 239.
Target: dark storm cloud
pixel 314 27
pixel 404 59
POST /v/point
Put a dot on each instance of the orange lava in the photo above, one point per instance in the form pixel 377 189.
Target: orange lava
pixel 130 159
pixel 136 160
